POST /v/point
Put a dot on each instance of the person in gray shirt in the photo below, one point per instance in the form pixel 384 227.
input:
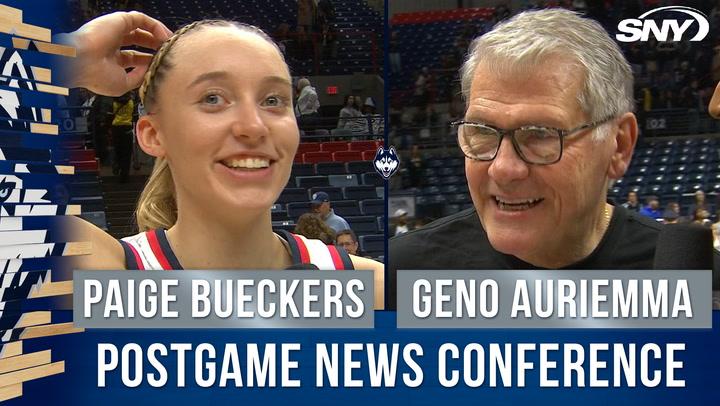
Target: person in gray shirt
pixel 320 204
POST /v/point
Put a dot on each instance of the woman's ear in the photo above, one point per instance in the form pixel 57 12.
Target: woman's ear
pixel 625 139
pixel 148 137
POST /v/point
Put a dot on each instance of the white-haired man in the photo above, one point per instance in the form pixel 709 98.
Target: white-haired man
pixel 307 106
pixel 548 124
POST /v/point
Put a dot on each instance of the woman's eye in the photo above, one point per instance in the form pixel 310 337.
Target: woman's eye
pixel 212 99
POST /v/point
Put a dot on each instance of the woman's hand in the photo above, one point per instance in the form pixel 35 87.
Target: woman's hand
pixel 101 63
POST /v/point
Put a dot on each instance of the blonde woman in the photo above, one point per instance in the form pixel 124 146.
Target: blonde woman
pixel 219 120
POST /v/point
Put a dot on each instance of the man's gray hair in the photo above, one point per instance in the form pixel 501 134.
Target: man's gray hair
pixel 302 83
pixel 526 40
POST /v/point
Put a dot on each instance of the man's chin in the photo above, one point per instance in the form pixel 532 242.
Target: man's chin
pixel 512 243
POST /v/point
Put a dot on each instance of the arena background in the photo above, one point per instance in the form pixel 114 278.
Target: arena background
pixel 343 56
pixel 677 152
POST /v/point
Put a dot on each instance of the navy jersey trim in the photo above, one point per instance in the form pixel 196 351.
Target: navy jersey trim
pixel 294 249
pixel 166 249
pixel 130 262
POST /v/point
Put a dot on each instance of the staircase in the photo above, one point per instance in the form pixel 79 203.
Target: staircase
pixel 120 202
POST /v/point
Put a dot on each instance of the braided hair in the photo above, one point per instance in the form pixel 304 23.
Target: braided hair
pixel 157 206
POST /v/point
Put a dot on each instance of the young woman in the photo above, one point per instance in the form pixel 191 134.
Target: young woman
pixel 219 120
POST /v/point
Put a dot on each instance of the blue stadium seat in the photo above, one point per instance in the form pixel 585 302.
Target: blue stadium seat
pixel 343 180
pixel 307 182
pixel 693 187
pixel 279 213
pixel 296 209
pixel 358 167
pixel 450 209
pixel 675 188
pixel 459 198
pixel 679 169
pixel 658 179
pixel 372 178
pixel 359 192
pixel 678 178
pixel 696 178
pixel 372 207
pixel 652 190
pixel 372 244
pixel 363 224
pixel 636 180
pixel 330 168
pixel 698 168
pixel 380 192
pixel 303 170
pixel 292 195
pixel 346 208
pixel 283 225
pixel 88 203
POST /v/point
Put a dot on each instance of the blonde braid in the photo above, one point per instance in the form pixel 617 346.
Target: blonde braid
pixel 147 89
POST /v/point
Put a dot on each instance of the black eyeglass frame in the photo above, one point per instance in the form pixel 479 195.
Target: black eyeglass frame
pixel 511 133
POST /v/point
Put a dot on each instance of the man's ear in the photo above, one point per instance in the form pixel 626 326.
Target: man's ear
pixel 625 140
pixel 148 137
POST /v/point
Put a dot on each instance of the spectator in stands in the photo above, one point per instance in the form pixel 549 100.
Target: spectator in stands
pixel 652 208
pixel 122 134
pixel 400 222
pixel 283 38
pixel 320 204
pixel 416 167
pixel 701 216
pixel 347 240
pixel 698 203
pixel 372 123
pixel 326 19
pixel 306 108
pixel 670 217
pixel 672 213
pixel 632 203
pixel 540 76
pixel 311 226
pixel 306 18
pixel 306 15
pixel 221 160
pixel 325 12
pixel 348 114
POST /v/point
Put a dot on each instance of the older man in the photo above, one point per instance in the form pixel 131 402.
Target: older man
pixel 548 124
pixel 320 204
pixel 306 108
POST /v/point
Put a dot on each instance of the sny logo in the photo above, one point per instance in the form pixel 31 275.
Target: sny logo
pixel 386 162
pixel 639 29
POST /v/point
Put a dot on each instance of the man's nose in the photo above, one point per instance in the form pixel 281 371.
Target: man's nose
pixel 507 165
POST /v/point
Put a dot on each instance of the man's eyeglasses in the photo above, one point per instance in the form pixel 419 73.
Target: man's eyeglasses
pixel 534 144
